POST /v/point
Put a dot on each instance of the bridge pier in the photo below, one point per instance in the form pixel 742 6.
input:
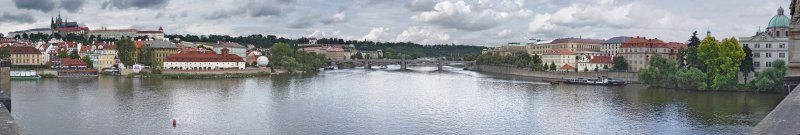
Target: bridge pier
pixel 403 65
pixel 367 65
pixel 440 65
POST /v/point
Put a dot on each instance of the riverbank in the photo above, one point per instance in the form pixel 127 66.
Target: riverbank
pixel 556 76
pixel 198 76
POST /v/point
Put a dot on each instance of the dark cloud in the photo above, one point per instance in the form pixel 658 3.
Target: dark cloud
pixel 16 18
pixel 257 8
pixel 41 5
pixel 72 5
pixel 135 4
pixel 305 21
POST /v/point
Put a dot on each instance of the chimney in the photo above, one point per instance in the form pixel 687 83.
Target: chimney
pixel 225 51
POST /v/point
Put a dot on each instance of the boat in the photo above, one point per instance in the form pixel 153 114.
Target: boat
pixel 330 68
pixel 604 81
pixel 24 75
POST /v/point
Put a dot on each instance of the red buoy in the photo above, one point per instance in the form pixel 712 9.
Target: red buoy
pixel 174 123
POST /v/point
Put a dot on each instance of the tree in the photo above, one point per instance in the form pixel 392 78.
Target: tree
pixel 771 79
pixel 88 61
pixel 74 54
pixel 280 51
pixel 146 57
pixel 4 54
pixel 605 67
pixel 747 64
pixel 722 61
pixel 691 78
pixel 585 69
pixel 661 73
pixel 63 53
pixel 596 69
pixel 125 51
pixel 692 59
pixel 681 58
pixel 620 64
pixel 552 66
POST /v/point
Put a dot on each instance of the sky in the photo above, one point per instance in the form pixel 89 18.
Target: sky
pixel 472 22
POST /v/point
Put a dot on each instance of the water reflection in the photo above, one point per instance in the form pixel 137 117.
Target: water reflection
pixel 422 101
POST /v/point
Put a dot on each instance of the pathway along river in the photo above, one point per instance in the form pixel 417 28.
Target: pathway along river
pixel 358 101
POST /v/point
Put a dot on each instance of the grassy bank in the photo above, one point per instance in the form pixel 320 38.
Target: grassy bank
pixel 198 76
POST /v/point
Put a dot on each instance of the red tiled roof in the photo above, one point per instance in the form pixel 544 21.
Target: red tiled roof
pixel 197 56
pixel 600 59
pixel 85 49
pixel 67 62
pixel 560 51
pixel 72 29
pixel 578 40
pixel 567 66
pixel 643 42
pixel 23 50
pixel 117 30
pixel 150 32
pixel 139 44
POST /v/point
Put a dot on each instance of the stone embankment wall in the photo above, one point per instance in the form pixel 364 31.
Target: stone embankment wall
pixel 231 71
pixel 784 119
pixel 625 76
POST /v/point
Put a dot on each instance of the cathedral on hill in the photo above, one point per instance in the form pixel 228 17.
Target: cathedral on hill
pixel 56 23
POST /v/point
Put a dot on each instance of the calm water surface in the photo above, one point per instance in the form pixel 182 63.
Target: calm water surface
pixel 358 101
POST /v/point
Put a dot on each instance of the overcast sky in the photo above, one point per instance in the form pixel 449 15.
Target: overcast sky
pixel 475 22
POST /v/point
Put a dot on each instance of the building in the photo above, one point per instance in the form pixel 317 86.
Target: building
pixel 161 49
pixel 106 33
pixel 769 45
pixel 638 50
pixel 71 31
pixel 204 60
pixel 562 57
pixel 235 48
pixel 157 35
pixel 332 51
pixel 508 50
pixel 25 55
pixel 573 44
pixel 67 63
pixel 18 34
pixel 601 63
pixel 103 55
pixel 611 46
pixel 372 54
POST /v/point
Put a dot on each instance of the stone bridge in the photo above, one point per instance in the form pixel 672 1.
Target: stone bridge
pixel 403 63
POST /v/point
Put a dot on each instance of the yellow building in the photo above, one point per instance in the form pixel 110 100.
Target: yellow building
pixel 573 44
pixel 25 55
pixel 160 50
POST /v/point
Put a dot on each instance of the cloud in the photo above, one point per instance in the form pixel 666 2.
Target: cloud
pixel 339 17
pixel 135 4
pixel 304 22
pixel 608 16
pixel 16 18
pixel 377 34
pixel 505 33
pixel 256 8
pixel 422 35
pixel 472 16
pixel 421 5
pixel 72 5
pixel 41 5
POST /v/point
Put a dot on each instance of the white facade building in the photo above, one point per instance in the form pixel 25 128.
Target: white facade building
pixel 769 45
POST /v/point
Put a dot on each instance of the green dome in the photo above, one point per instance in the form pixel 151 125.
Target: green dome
pixel 779 21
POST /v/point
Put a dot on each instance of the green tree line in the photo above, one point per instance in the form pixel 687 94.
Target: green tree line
pixel 711 65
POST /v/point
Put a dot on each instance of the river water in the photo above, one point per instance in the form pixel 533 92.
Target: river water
pixel 357 101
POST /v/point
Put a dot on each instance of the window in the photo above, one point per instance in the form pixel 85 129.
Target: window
pixel 756 64
pixel 756 55
pixel 769 45
pixel 787 33
pixel 744 45
pixel 777 33
pixel 782 45
pixel 769 55
pixel 782 55
pixel 769 64
pixel 758 45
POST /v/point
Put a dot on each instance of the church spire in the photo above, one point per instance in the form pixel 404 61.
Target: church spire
pixel 780 10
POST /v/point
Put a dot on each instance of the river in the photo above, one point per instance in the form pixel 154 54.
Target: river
pixel 357 101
